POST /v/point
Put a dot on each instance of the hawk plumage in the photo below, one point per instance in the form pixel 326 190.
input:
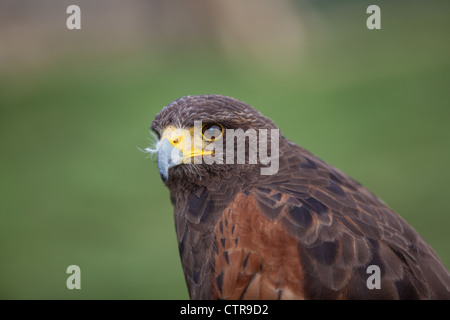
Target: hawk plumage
pixel 307 232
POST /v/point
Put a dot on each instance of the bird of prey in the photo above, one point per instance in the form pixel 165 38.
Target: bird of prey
pixel 303 231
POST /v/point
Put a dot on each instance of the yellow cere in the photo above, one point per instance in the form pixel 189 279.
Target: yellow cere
pixel 184 140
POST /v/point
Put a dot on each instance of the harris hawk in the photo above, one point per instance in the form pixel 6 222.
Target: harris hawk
pixel 306 231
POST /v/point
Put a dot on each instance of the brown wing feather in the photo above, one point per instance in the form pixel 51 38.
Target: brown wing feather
pixel 341 229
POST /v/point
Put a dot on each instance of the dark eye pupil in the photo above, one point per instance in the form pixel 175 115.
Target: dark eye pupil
pixel 212 132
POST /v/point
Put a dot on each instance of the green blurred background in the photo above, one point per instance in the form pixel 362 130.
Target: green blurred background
pixel 76 105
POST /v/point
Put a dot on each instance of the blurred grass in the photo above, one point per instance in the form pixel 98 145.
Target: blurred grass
pixel 75 189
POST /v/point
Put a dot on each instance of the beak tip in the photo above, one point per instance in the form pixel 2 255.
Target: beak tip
pixel 164 177
pixel 163 169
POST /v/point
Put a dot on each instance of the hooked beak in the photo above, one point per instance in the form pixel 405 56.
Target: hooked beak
pixel 168 157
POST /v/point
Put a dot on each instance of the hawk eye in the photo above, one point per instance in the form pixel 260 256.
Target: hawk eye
pixel 212 131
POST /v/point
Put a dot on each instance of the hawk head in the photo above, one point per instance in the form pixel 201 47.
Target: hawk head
pixel 192 137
